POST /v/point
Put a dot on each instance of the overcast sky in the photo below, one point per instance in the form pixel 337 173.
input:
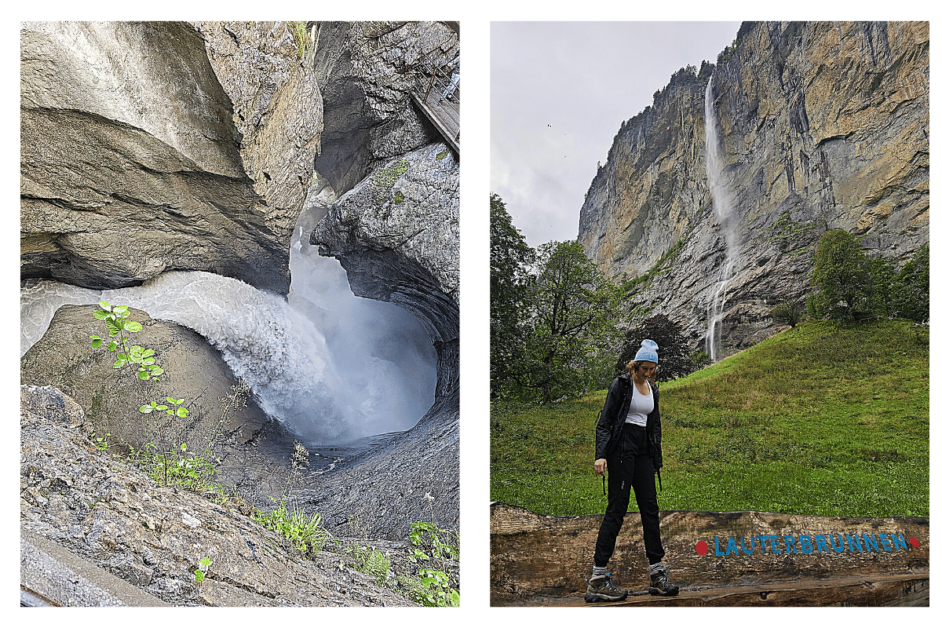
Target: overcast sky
pixel 559 93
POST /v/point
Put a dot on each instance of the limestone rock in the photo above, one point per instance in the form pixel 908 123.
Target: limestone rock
pixel 396 234
pixel 823 125
pixel 276 108
pixel 131 163
pixel 253 450
pixel 109 513
pixel 366 71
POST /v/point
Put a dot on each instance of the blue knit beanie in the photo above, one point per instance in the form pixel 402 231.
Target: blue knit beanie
pixel 647 352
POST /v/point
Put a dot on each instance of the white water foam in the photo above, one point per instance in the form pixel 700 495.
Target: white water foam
pixel 331 366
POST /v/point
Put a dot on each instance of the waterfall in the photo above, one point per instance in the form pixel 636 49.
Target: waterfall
pixel 723 209
pixel 331 366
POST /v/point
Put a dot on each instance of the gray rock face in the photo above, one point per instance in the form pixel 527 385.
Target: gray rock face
pixel 252 450
pixel 822 126
pixel 131 163
pixel 276 108
pixel 396 234
pixel 198 156
pixel 153 537
pixel 366 71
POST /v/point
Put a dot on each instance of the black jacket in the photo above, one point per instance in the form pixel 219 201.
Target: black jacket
pixel 612 421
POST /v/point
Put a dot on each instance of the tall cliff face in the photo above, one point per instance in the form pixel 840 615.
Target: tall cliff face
pixel 821 126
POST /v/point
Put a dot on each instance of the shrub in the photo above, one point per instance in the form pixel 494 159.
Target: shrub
pixel 673 347
pixel 911 288
pixel 786 313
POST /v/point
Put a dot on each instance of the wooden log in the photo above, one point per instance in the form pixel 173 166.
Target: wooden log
pixel 536 556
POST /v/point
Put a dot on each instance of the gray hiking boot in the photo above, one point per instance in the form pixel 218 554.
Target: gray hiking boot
pixel 603 589
pixel 660 585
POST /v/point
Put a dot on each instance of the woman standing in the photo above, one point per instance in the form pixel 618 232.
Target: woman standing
pixel 628 445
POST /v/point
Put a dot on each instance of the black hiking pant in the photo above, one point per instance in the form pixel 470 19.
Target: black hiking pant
pixel 631 466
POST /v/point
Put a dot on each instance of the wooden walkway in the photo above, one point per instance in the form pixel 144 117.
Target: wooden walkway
pixel 444 114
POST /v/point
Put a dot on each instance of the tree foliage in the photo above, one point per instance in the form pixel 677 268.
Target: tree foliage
pixel 552 318
pixel 911 290
pixel 571 331
pixel 510 258
pixel 841 276
pixel 673 354
pixel 851 286
pixel 787 312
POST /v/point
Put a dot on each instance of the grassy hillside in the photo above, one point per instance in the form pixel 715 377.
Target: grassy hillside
pixel 821 419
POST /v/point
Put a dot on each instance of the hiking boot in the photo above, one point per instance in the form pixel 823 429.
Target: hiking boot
pixel 660 585
pixel 603 589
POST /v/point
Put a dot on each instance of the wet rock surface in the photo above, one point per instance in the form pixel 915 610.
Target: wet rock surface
pixel 366 71
pixel 132 164
pixel 396 234
pixel 822 126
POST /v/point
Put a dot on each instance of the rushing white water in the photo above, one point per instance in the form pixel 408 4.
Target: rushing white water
pixel 331 366
pixel 723 208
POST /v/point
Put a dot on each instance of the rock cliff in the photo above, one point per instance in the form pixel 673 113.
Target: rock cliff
pixel 367 71
pixel 396 234
pixel 822 125
pixel 132 162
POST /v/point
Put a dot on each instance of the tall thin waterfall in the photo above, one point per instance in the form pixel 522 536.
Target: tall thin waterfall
pixel 331 366
pixel 724 210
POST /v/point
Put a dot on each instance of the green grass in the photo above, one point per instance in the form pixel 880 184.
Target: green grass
pixel 822 419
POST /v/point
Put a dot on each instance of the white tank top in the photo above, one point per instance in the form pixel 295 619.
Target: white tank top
pixel 640 407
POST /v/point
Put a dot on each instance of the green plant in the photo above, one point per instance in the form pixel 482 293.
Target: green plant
pixel 786 313
pixel 173 465
pixel 304 531
pixel 199 574
pixel 101 442
pixel 115 318
pixel 371 562
pixel 299 32
pixel 432 547
pixel 434 589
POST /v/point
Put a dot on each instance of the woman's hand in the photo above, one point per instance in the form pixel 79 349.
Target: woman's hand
pixel 600 466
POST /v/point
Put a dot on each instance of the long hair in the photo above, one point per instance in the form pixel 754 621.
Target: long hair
pixel 632 368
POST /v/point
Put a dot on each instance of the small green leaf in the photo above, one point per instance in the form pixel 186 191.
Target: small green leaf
pixel 100 315
pixel 144 375
pixel 161 407
pixel 172 400
pixel 206 562
pixel 112 345
pixel 120 362
pixel 182 412
pixel 96 342
pixel 146 409
pixel 199 576
pixel 182 446
pixel 118 309
pixel 105 305
pixel 148 352
pixel 133 326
